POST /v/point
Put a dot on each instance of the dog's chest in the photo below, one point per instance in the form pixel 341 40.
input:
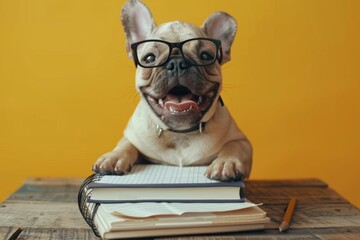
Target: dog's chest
pixel 179 149
pixel 180 143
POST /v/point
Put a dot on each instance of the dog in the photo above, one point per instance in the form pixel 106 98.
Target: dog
pixel 180 118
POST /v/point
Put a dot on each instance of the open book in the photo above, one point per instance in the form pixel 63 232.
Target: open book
pixel 158 183
pixel 112 226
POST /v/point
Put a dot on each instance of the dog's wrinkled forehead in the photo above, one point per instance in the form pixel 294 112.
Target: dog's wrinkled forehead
pixel 176 32
pixel 139 25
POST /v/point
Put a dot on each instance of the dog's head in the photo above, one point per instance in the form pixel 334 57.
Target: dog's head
pixel 178 64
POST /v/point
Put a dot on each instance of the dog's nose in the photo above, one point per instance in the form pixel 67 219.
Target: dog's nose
pixel 177 66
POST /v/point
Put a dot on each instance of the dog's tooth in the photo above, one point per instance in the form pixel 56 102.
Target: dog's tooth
pixel 151 99
pixel 161 102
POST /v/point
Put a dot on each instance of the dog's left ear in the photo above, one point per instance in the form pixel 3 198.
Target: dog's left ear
pixel 221 26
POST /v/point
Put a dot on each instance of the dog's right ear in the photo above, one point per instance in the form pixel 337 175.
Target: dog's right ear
pixel 137 21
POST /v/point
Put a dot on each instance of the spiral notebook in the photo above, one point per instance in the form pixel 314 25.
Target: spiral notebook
pixel 109 221
pixel 112 226
pixel 159 183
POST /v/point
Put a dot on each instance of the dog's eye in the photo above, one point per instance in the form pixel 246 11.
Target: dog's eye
pixel 149 58
pixel 206 56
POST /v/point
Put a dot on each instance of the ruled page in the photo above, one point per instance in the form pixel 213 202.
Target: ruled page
pixel 159 174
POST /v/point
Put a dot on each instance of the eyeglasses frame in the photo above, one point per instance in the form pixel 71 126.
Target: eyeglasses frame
pixel 179 46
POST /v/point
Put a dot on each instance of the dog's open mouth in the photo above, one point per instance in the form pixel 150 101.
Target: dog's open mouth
pixel 181 101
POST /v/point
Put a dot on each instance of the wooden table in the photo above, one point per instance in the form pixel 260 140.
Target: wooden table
pixel 47 209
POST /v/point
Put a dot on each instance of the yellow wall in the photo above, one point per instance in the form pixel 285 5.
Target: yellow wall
pixel 293 85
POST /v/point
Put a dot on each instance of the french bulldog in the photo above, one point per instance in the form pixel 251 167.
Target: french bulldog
pixel 180 118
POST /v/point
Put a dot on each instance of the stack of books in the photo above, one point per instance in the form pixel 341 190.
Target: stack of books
pixel 160 200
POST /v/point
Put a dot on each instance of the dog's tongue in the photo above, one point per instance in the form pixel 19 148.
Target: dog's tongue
pixel 181 103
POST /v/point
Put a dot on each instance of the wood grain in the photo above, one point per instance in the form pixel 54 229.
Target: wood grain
pixel 42 215
pixel 323 234
pixel 45 193
pixel 55 234
pixel 281 195
pixel 298 183
pixel 54 181
pixel 47 209
pixel 9 232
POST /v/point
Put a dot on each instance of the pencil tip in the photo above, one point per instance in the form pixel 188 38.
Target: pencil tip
pixel 283 226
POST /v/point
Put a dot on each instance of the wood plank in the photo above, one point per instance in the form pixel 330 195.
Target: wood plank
pixel 263 235
pixel 42 215
pixel 51 234
pixel 46 209
pixel 54 181
pixel 9 232
pixel 337 233
pixel 64 215
pixel 47 190
pixel 281 195
pixel 323 234
pixel 45 193
pixel 308 182
pixel 55 234
pixel 275 191
pixel 315 216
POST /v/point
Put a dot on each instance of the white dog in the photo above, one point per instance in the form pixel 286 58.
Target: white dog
pixel 180 119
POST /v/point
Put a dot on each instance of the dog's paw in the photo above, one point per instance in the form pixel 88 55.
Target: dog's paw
pixel 112 163
pixel 225 170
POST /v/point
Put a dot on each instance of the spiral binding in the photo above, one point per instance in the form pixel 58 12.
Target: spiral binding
pixel 88 210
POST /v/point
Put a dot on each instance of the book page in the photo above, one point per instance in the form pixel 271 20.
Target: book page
pixel 159 174
pixel 149 209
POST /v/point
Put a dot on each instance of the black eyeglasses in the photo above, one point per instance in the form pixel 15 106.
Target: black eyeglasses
pixel 155 53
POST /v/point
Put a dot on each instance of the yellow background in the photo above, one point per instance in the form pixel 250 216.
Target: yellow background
pixel 293 85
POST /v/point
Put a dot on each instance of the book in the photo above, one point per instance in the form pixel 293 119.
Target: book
pixel 128 219
pixel 151 209
pixel 112 226
pixel 158 183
